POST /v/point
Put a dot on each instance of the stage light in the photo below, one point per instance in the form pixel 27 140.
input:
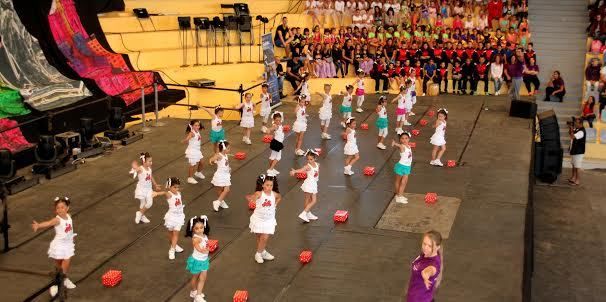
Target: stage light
pixel 115 124
pixel 141 13
pixel 184 22
pixel 262 19
pixel 47 150
pixel 7 164
pixel 217 23
pixel 202 22
pixel 13 184
pixel 51 158
pixel 86 132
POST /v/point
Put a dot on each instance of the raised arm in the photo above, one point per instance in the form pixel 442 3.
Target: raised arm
pixel 43 225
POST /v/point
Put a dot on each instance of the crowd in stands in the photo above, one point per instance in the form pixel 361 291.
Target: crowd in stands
pixel 469 42
pixel 595 72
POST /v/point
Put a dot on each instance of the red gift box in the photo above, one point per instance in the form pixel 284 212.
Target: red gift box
pixel 368 171
pixel 305 256
pixel 212 245
pixel 111 278
pixel 412 144
pixel 431 113
pixel 251 203
pixel 241 296
pixel 301 175
pixel 267 139
pixel 318 150
pixel 431 198
pixel 240 155
pixel 364 126
pixel 423 122
pixel 416 132
pixel 340 216
pixel 286 128
pixel 451 163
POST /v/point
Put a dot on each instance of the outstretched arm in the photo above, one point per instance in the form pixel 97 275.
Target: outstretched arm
pixel 43 225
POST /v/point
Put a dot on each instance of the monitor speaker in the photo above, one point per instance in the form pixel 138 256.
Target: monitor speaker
pixel 231 22
pixel 241 9
pixel 549 128
pixel 141 13
pixel 184 22
pixel 245 23
pixel 523 109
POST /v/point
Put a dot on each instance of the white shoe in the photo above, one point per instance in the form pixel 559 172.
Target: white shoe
pixel 399 131
pixel 199 298
pixel 275 172
pixel 406 123
pixel 300 152
pixel 199 175
pixel 439 163
pixel 216 205
pixel 381 146
pixel 423 94
pixel 270 172
pixel 401 199
pixel 351 172
pixel 432 162
pixel 343 125
pixel 68 283
pixel 497 93
pixel 346 170
pixel 303 216
pixel 138 216
pixel 311 216
pixel 259 258
pixel 328 136
pixel 325 136
pixel 412 113
pixel 191 180
pixel 53 290
pixel 359 110
pixel 247 141
pixel 178 249
pixel 264 129
pixel 267 256
pixel 224 205
pixel 193 294
pixel 171 254
pixel 144 219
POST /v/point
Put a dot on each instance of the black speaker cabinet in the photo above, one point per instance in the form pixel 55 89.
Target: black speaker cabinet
pixel 231 22
pixel 523 109
pixel 548 124
pixel 184 22
pixel 241 9
pixel 245 23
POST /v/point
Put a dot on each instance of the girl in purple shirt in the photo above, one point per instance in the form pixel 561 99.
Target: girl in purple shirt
pixel 425 274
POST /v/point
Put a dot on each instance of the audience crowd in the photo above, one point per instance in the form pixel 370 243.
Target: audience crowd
pixel 468 42
pixel 595 72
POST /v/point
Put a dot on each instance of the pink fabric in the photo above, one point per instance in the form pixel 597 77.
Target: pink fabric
pixel 400 111
pixel 13 139
pixel 359 91
pixel 596 45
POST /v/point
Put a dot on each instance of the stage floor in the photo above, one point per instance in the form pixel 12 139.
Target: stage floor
pixel 354 261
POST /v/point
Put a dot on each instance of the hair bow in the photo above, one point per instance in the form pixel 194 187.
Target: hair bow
pixel 312 151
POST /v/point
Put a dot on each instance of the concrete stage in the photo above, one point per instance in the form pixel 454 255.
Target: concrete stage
pixel 355 261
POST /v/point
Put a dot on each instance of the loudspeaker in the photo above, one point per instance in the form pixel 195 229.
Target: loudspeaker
pixel 523 109
pixel 202 22
pixel 548 161
pixel 244 23
pixel 141 13
pixel 241 9
pixel 548 125
pixel 231 22
pixel 184 22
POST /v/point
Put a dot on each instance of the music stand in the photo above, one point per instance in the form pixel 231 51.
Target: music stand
pixel 142 13
pixel 184 27
pixel 201 23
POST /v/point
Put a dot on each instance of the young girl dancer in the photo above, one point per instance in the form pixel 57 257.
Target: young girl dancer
pixel 265 106
pixel 438 139
pixel 248 119
pixel 193 152
pixel 62 247
pixel 217 133
pixel 402 168
pixel 401 108
pixel 346 105
pixel 300 124
pixel 325 111
pixel 263 220
pixel 198 263
pixel 351 146
pixel 174 217
pixel 381 122
pixel 310 185
pixel 360 90
pixel 144 190
pixel 303 89
pixel 277 143
pixel 222 177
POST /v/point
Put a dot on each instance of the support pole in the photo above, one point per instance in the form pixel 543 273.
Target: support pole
pixel 158 123
pixel 144 128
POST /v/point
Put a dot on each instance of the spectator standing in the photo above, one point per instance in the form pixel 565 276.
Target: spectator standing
pixel 577 149
pixel 495 9
pixel 513 73
pixel 555 90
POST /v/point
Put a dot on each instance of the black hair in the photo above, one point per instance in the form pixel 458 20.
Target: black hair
pixel 382 100
pixel 63 199
pixel 218 109
pixel 443 111
pixel 171 181
pixel 189 231
pixel 311 152
pixel 191 125
pixel 144 156
pixel 347 87
pixel 350 120
pixel 223 144
pixel 262 179
pixel 276 114
pixel 404 133
pixel 265 85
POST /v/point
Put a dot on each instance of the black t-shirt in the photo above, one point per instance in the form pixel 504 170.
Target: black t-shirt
pixel 279 69
pixel 294 66
pixel 284 30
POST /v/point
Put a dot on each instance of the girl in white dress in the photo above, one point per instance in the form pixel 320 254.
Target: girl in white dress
pixel 265 106
pixel 300 124
pixel 345 108
pixel 438 139
pixel 193 153
pixel 382 122
pixel 144 190
pixel 62 247
pixel 222 177
pixel 247 120
pixel 310 185
pixel 352 155
pixel 198 262
pixel 174 218
pixel 263 220
pixel 360 90
pixel 277 143
pixel 325 113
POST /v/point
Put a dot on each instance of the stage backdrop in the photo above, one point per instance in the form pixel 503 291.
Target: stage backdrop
pixel 24 67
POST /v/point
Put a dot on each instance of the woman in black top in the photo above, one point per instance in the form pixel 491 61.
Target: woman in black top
pixel 337 58
pixel 390 51
pixel 348 54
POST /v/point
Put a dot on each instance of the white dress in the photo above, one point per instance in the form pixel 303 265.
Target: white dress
pixel 222 177
pixel 144 184
pixel 310 184
pixel 265 104
pixel 174 217
pixel 438 138
pixel 248 118
pixel 326 109
pixel 305 90
pixel 351 147
pixel 193 153
pixel 263 219
pixel 300 124
pixel 62 246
